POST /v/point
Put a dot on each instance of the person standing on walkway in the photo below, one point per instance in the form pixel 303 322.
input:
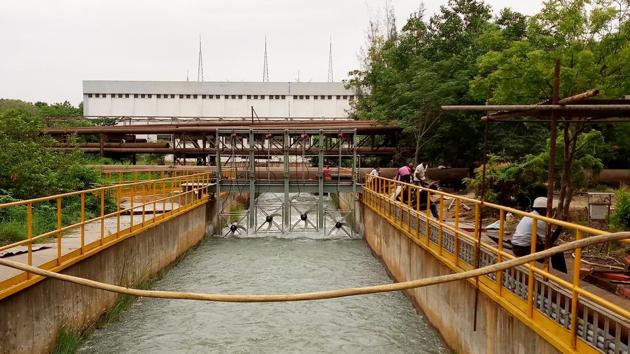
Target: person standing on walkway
pixel 522 237
pixel 420 174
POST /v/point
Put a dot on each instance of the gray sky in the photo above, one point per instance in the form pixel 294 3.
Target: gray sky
pixel 49 47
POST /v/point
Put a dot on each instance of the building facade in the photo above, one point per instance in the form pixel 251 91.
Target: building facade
pixel 163 100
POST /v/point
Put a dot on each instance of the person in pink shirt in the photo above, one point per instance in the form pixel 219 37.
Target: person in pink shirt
pixel 404 173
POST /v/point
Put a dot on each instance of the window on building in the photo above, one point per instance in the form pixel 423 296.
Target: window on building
pixel 283 97
pixel 96 95
pixel 255 97
pixel 271 97
pixel 89 95
pixel 262 97
pixel 126 95
pixel 240 97
pixel 301 97
pixel 158 96
pixel 345 97
pixel 187 96
pixel 233 97
pixel 315 97
pixel 120 95
pixel 135 95
pixel 351 97
pixel 226 96
pixel 142 95
pixel 181 96
pixel 277 97
pixel 195 96
pixel 249 97
pixel 308 97
pixel 150 95
pixel 338 97
pixel 329 97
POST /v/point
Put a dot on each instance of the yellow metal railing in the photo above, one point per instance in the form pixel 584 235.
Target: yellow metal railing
pixel 116 175
pixel 561 310
pixel 95 219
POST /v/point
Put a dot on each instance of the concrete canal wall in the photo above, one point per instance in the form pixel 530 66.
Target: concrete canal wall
pixel 449 307
pixel 31 318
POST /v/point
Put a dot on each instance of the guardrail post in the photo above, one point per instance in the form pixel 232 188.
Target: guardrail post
pixel 29 235
pixel 500 251
pixel 530 279
pixel 574 291
pixel 117 211
pixel 82 222
pixel 59 226
pixel 427 214
pixel 102 215
pixel 458 203
pixel 440 224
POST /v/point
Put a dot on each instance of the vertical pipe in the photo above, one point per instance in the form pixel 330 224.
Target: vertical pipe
pixel 553 136
pixel 59 226
pixel 285 148
pixel 252 179
pixel 320 180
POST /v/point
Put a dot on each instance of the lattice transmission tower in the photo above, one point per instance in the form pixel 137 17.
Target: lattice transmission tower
pixel 265 77
pixel 200 63
pixel 330 62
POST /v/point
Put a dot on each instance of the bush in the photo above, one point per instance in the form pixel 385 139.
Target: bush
pixel 620 218
pixel 507 183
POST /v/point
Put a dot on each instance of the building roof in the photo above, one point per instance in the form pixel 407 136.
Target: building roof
pixel 217 88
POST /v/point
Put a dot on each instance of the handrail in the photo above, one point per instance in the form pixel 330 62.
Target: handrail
pixel 527 301
pixel 161 199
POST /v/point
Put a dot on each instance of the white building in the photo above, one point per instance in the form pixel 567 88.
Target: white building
pixel 226 100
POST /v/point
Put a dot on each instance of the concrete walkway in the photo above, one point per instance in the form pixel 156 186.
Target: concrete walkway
pixel 44 252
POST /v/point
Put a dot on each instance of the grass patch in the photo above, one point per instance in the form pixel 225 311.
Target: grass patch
pixel 67 342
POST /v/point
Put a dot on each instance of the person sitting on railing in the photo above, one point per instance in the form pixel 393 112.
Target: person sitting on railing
pixel 376 171
pixel 522 237
pixel 423 199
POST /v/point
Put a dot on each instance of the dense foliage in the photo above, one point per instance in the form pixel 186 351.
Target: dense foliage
pixel 466 55
pixel 620 218
pixel 28 168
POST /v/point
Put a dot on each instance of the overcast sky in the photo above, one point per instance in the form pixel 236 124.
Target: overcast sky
pixel 48 47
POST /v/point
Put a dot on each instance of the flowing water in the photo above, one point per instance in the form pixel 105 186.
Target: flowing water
pixel 379 323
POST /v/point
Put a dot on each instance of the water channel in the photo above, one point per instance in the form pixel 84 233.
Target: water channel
pixel 295 262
